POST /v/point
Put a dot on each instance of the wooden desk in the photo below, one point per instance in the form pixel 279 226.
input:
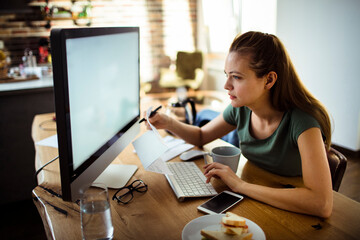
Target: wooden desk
pixel 157 214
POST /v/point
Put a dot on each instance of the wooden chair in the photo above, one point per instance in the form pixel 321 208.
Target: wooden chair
pixel 337 163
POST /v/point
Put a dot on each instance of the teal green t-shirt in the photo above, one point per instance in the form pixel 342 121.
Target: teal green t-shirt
pixel 278 153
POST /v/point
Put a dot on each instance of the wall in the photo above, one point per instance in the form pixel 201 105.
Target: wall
pixel 215 37
pixel 166 26
pixel 322 38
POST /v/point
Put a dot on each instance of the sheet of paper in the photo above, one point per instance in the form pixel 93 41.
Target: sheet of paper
pixel 148 112
pixel 154 151
pixel 149 147
pixel 171 142
pixel 175 151
pixel 51 141
pixel 159 166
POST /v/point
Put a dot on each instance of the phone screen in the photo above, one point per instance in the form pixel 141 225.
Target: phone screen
pixel 221 202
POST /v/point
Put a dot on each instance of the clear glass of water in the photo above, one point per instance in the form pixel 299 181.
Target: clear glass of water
pixel 95 213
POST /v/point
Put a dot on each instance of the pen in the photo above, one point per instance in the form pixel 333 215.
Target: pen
pixel 151 114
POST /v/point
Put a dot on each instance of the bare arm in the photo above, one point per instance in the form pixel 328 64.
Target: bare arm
pixel 216 128
pixel 316 198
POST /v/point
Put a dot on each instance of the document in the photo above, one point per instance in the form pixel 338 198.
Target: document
pixel 159 166
pixel 149 147
pixel 176 146
pixel 154 151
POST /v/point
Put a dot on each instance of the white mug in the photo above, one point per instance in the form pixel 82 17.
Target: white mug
pixel 226 155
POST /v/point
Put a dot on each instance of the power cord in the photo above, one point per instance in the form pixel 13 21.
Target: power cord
pixel 41 168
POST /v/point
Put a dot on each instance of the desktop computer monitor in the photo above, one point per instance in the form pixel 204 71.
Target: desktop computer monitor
pixel 97 100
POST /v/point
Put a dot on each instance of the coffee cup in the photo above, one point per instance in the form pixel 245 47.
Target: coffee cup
pixel 226 155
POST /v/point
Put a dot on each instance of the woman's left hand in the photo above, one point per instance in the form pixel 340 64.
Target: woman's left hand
pixel 225 173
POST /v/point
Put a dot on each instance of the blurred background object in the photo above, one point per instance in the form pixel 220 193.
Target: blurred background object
pixel 5 61
pixel 187 73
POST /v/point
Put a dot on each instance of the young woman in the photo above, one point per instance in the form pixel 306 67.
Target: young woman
pixel 281 126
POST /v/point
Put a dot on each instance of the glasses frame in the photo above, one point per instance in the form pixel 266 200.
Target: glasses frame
pixel 134 186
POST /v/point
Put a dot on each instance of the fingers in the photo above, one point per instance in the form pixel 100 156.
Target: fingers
pixel 145 115
pixel 217 170
pixel 153 120
pixel 210 174
pixel 213 165
pixel 212 170
pixel 215 173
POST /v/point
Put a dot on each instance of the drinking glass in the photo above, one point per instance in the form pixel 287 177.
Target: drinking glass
pixel 95 213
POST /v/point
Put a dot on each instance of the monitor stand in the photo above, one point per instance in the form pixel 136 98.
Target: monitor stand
pixel 116 175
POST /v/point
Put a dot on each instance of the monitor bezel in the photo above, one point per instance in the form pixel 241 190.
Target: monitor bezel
pixel 58 39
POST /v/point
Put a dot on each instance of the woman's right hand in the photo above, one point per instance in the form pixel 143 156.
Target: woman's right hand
pixel 159 121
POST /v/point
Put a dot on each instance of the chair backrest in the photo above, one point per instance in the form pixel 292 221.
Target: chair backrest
pixel 187 62
pixel 337 164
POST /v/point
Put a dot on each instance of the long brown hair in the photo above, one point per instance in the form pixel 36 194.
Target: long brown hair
pixel 269 54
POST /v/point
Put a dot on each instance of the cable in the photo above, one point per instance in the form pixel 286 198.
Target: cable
pixel 41 168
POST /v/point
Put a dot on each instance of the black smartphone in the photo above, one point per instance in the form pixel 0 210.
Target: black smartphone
pixel 220 203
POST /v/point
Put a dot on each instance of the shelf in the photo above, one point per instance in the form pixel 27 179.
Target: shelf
pixel 39 3
pixel 77 11
pixel 66 18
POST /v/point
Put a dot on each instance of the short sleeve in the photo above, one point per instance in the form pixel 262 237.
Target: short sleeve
pixel 300 122
pixel 229 115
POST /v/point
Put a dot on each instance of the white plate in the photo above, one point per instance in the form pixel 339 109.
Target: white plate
pixel 212 222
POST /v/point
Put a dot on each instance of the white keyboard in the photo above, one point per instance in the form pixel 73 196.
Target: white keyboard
pixel 188 181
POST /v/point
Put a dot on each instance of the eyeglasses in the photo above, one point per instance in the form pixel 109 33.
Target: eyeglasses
pixel 125 194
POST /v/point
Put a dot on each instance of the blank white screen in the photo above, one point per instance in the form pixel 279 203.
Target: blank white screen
pixel 103 89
